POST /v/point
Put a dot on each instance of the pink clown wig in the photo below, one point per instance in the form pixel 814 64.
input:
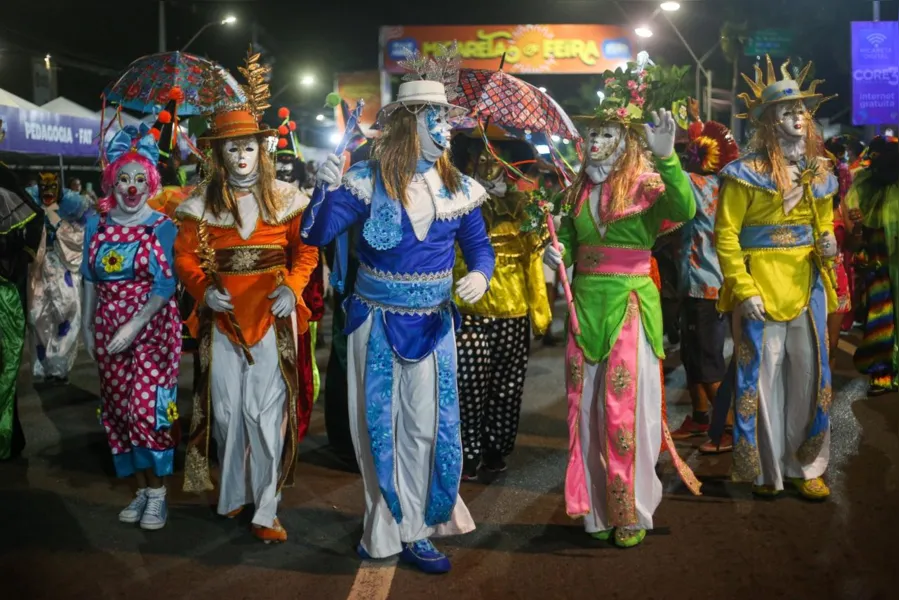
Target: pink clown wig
pixel 111 171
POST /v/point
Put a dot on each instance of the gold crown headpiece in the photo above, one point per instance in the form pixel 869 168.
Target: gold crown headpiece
pixel 774 91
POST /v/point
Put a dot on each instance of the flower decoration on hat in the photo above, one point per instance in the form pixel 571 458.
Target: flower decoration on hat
pixel 711 148
pixel 770 91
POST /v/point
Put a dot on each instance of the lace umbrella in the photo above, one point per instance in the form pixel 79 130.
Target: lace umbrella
pixel 511 102
pixel 146 84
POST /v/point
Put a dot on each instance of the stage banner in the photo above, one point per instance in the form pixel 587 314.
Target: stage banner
pixel 43 132
pixel 875 73
pixel 364 85
pixel 570 49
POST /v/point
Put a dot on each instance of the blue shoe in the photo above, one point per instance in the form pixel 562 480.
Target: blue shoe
pixel 362 553
pixel 157 511
pixel 424 556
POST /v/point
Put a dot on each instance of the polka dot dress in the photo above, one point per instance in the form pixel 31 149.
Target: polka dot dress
pixel 130 381
pixel 493 361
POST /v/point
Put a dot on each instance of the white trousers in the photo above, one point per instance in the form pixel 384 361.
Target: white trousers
pixel 647 486
pixel 250 419
pixel 415 431
pixel 788 379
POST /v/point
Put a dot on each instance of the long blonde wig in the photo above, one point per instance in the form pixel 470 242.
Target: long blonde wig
pixel 397 151
pixel 625 173
pixel 220 197
pixel 766 141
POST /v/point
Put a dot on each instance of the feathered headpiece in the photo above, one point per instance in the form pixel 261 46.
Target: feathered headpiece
pixel 429 80
pixel 245 119
pixel 773 91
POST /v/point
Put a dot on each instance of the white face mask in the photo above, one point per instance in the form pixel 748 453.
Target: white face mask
pixel 132 188
pixel 606 144
pixel 241 156
pixel 792 120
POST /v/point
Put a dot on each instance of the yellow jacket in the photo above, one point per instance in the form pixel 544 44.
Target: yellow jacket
pixel 518 287
pixel 781 276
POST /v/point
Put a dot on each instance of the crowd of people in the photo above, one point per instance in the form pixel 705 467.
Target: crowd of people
pixel 442 277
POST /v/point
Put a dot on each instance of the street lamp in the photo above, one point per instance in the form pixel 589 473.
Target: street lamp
pixel 319 117
pixel 228 20
pixel 335 137
pixel 542 89
pixel 643 31
pixel 670 6
pixel 307 80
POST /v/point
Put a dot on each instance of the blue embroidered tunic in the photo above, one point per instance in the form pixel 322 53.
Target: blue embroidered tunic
pixel 405 283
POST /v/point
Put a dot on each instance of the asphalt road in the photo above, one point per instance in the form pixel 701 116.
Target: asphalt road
pixel 60 538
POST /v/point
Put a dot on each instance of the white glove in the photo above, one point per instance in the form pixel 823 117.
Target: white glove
pixel 218 301
pixel 331 171
pixel 472 287
pixel 660 138
pixel 827 245
pixel 753 308
pixel 552 257
pixel 285 301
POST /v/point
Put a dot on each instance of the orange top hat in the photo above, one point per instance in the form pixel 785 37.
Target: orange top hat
pixel 236 123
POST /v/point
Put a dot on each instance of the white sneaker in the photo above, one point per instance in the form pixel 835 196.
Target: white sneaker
pixel 135 510
pixel 156 512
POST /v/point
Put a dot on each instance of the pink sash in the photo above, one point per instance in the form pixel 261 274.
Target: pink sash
pixel 601 260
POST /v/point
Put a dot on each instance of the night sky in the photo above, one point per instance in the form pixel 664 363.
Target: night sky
pixel 342 35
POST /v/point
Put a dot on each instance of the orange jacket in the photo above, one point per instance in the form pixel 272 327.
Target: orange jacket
pixel 249 292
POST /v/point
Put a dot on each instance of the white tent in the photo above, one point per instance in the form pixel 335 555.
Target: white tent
pixel 10 99
pixel 64 106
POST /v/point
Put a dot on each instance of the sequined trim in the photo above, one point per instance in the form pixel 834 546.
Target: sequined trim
pixel 243 259
pixel 447 456
pixel 592 258
pixel 825 398
pixel 632 310
pixel 784 236
pixel 406 276
pixel 463 210
pixel 745 354
pixel 402 311
pixel 621 378
pixel 748 404
pixel 197 415
pixel 196 472
pixel 576 373
pixel 622 506
pixel 625 441
pixel 747 463
pixel 811 448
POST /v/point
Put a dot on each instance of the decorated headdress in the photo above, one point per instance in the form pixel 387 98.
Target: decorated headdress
pixel 710 149
pixel 244 119
pixel 429 80
pixel 774 91
pixel 624 98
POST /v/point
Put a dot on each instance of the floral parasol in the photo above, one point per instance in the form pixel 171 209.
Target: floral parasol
pixel 147 82
pixel 511 102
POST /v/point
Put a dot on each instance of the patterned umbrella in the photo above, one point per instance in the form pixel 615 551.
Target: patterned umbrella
pixel 510 102
pixel 146 84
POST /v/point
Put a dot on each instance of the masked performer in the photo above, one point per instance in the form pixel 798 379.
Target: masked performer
pixel 874 200
pixel 404 410
pixel 776 248
pixel 494 340
pixel 618 208
pixel 54 313
pixel 290 169
pixel 704 329
pixel 131 322
pixel 841 319
pixel 239 254
pixel 21 232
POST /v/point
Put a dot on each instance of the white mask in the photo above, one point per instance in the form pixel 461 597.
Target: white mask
pixel 792 120
pixel 132 188
pixel 433 131
pixel 241 156
pixel 606 144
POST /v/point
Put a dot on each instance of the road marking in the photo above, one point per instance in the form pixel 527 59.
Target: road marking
pixel 372 581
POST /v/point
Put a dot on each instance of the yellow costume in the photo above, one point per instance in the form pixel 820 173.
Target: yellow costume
pixel 781 275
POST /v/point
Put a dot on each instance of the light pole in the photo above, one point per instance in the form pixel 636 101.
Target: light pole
pixel 229 20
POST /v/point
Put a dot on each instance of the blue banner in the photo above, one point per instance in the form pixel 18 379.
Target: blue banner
pixel 31 131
